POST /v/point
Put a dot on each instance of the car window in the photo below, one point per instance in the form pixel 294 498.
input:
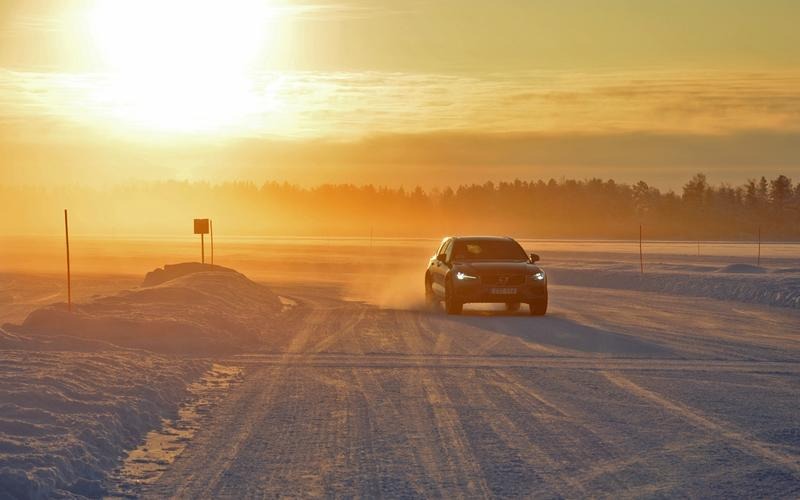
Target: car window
pixel 448 251
pixel 440 251
pixel 489 250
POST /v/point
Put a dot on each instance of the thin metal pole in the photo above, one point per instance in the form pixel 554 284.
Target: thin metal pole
pixel 69 275
pixel 758 260
pixel 202 248
pixel 641 255
pixel 211 224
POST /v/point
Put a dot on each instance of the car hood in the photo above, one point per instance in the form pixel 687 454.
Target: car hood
pixel 496 267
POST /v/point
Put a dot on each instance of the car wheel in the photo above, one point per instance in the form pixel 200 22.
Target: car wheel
pixel 430 298
pixel 539 307
pixel 512 306
pixel 451 305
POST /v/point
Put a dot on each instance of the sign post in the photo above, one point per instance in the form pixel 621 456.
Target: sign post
pixel 211 227
pixel 641 254
pixel 201 227
pixel 69 277
pixel 758 259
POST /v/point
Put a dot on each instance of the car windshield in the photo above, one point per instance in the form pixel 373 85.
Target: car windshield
pixel 488 250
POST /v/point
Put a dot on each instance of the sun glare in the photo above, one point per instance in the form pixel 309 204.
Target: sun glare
pixel 180 65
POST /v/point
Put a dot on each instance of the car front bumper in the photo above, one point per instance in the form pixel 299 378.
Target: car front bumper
pixel 474 292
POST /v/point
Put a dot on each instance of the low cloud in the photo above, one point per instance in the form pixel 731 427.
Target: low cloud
pixel 427 159
pixel 387 128
pixel 349 105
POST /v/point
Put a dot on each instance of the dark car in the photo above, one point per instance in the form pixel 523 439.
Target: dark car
pixel 485 269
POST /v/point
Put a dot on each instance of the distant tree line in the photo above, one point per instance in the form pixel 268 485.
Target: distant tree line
pixel 592 208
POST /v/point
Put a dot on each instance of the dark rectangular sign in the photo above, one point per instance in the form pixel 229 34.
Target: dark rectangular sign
pixel 201 226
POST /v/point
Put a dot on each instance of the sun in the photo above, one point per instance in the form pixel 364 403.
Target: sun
pixel 180 65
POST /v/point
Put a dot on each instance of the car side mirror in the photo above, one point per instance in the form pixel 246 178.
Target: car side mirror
pixel 535 258
pixel 442 258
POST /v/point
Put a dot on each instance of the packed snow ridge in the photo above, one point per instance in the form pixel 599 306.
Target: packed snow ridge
pixel 78 389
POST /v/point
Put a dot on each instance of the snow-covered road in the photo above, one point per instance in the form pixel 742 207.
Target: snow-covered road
pixel 615 393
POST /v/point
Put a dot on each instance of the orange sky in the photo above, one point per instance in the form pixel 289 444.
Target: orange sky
pixel 393 92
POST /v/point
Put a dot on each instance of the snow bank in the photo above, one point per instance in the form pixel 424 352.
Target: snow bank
pixel 738 282
pixel 184 309
pixel 67 417
pixel 74 396
pixel 742 268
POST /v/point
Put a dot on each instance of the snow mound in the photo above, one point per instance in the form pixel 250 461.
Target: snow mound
pixel 787 270
pixel 172 271
pixel 67 417
pixel 182 309
pixel 743 268
pixel 768 289
pixel 688 268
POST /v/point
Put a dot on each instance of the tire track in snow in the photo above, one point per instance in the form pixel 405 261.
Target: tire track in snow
pixel 427 405
pixel 546 465
pixel 352 320
pixel 432 361
pixel 201 478
pixel 741 440
pixel 450 430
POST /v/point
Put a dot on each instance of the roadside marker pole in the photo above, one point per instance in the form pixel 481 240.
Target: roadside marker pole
pixel 202 248
pixel 641 255
pixel 211 225
pixel 758 259
pixel 69 277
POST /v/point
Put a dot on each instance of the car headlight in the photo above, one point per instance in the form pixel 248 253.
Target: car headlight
pixel 463 277
pixel 538 276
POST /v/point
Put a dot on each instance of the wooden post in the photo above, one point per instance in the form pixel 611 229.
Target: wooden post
pixel 758 259
pixel 698 248
pixel 202 248
pixel 641 254
pixel 69 276
pixel 211 225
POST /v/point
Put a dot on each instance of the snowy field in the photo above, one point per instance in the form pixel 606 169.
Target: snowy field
pixel 683 381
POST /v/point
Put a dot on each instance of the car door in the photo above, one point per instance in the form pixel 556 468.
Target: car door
pixel 439 269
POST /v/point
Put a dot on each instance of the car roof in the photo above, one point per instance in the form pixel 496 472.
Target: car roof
pixel 483 238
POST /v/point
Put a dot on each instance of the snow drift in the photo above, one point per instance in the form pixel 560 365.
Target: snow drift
pixel 187 308
pixel 736 282
pixel 75 395
pixel 67 416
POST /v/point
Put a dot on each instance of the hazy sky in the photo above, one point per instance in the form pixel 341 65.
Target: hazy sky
pixel 415 92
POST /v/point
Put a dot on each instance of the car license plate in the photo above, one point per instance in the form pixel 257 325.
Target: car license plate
pixel 504 291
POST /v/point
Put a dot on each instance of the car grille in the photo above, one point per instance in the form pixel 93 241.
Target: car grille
pixel 503 279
